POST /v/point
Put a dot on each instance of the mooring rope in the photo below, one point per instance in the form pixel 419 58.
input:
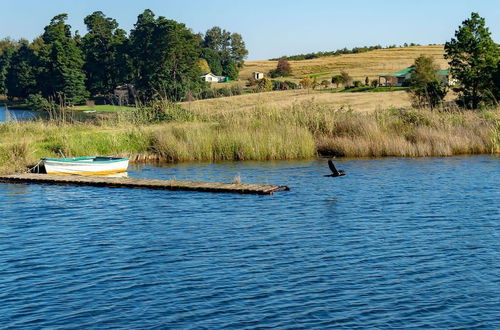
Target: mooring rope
pixel 37 167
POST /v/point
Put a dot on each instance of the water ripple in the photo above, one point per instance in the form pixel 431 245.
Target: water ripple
pixel 397 243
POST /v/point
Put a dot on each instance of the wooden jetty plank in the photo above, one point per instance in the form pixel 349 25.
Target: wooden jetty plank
pixel 241 188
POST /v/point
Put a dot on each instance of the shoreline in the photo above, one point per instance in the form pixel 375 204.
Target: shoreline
pixel 304 131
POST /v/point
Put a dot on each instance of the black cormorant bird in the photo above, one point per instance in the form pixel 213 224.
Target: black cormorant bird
pixel 335 173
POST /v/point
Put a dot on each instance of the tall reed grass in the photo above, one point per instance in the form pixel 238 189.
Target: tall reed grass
pixel 300 131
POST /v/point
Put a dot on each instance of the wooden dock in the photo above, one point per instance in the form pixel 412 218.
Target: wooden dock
pixel 240 188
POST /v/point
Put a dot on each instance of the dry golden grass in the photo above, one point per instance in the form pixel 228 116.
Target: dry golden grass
pixel 412 133
pixel 363 101
pixel 359 66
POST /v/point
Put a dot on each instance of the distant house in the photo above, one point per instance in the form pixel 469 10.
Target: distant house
pixel 210 77
pixel 122 94
pixel 258 75
pixel 402 77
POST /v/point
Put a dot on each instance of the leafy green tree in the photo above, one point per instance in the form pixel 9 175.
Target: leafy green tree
pixel 5 59
pixel 424 70
pixel 23 71
pixel 337 80
pixel 8 44
pixel 346 79
pixel 103 50
pixel 203 65
pixel 283 68
pixel 473 58
pixel 230 69
pixel 141 47
pixel 367 81
pixel 164 55
pixel 425 88
pixel 61 60
pixel 7 49
pixel 213 60
pixel 218 40
pixel 238 51
pixel 229 46
pixel 496 82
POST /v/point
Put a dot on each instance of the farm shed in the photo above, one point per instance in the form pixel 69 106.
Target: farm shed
pixel 401 78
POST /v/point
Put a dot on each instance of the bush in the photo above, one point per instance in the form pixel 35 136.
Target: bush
pixel 252 82
pixel 291 84
pixel 374 83
pixel 357 83
pixel 39 103
pixel 431 94
pixel 236 89
pixel 224 91
pixel 265 85
pixel 160 111
pixel 208 93
pixel 306 82
pixel 283 85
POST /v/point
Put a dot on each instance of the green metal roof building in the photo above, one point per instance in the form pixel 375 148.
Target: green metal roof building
pixel 399 78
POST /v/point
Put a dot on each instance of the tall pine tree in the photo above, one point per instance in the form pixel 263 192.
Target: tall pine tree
pixel 164 54
pixel 22 74
pixel 62 76
pixel 473 58
pixel 103 50
pixel 7 49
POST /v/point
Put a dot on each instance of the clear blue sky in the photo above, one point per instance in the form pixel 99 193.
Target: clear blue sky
pixel 272 28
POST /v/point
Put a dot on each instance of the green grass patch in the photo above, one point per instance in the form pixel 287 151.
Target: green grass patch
pixel 321 74
pixel 102 108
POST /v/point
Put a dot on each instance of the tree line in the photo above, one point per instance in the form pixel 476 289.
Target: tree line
pixel 343 51
pixel 159 57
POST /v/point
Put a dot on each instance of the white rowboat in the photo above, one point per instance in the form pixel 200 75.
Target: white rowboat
pixel 85 165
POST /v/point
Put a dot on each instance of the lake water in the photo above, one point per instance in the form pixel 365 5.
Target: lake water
pixel 15 115
pixel 396 243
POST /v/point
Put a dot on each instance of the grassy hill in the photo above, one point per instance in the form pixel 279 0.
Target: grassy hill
pixel 282 100
pixel 359 65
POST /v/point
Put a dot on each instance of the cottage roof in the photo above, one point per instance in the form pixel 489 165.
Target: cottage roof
pixel 208 74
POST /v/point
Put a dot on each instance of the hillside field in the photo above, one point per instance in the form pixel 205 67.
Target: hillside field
pixel 359 66
pixel 359 102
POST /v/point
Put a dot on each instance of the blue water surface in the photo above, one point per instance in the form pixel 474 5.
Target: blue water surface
pixel 15 114
pixel 397 243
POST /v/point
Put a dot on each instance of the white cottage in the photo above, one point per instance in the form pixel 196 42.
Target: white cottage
pixel 210 77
